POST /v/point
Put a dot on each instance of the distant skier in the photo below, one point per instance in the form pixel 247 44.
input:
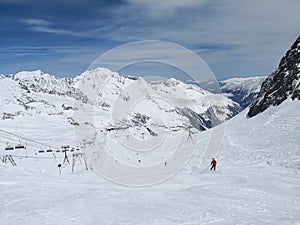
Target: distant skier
pixel 213 164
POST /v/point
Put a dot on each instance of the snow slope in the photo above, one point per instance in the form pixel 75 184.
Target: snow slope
pixel 256 182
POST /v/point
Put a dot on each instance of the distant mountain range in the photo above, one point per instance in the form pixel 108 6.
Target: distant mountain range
pixel 31 93
pixel 240 90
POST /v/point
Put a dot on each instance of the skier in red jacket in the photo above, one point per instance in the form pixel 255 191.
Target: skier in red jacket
pixel 213 164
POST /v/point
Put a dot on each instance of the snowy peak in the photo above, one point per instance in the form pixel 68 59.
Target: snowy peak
pixel 283 83
pixel 249 84
pixel 38 81
pixel 35 73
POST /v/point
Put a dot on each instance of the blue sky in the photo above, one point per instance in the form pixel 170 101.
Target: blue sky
pixel 235 38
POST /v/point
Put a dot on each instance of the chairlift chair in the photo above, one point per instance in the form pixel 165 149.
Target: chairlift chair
pixel 9 148
pixel 20 146
pixel 65 146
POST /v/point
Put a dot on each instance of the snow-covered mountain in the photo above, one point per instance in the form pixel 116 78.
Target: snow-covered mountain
pixel 282 84
pixel 242 90
pixel 36 92
pixel 31 93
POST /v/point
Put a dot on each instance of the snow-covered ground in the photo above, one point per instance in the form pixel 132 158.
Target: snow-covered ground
pixel 256 182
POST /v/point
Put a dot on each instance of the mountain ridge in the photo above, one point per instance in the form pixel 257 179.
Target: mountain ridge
pixel 281 84
pixel 32 91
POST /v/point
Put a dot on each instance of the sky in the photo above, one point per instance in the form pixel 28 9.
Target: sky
pixel 234 38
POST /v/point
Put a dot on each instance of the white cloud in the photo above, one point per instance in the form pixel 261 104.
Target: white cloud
pixel 157 52
pixel 158 7
pixel 256 30
pixel 45 26
pixel 249 31
pixel 36 22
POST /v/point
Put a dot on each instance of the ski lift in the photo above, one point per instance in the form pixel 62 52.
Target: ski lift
pixel 41 151
pixel 72 149
pixel 49 150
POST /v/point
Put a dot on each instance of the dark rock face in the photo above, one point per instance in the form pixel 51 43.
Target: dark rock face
pixel 281 84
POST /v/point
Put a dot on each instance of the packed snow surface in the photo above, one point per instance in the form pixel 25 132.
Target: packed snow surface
pixel 256 182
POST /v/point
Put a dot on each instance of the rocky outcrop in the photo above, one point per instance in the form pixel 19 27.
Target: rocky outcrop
pixel 283 83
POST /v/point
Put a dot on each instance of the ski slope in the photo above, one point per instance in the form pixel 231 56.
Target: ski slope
pixel 256 182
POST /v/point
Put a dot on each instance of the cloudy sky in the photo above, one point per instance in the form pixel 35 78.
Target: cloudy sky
pixel 235 38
